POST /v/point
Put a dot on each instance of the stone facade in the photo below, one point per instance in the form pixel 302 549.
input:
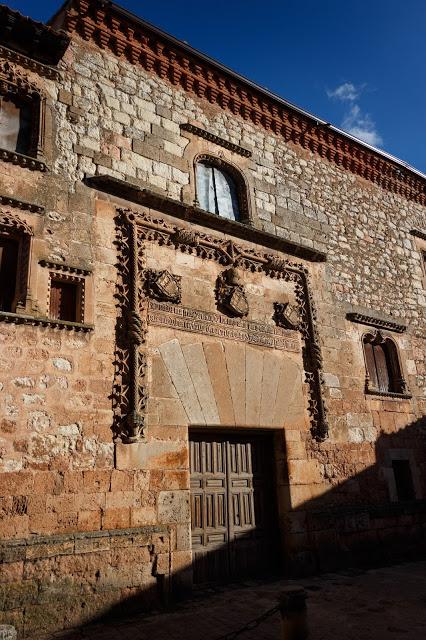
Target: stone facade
pixel 95 413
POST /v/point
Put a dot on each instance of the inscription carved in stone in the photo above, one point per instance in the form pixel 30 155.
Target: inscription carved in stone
pixel 215 324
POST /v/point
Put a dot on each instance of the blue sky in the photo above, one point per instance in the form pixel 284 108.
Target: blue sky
pixel 359 64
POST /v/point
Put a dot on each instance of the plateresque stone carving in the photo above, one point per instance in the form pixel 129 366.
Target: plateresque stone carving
pixel 163 285
pixel 230 293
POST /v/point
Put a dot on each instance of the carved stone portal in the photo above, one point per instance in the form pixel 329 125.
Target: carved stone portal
pixel 165 286
pixel 230 293
pixel 133 229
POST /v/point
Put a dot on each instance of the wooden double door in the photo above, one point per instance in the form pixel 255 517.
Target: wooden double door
pixel 233 506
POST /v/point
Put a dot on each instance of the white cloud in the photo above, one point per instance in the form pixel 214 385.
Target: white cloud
pixel 361 126
pixel 355 121
pixel 345 91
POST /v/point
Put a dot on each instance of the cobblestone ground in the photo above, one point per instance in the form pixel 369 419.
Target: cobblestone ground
pixel 350 605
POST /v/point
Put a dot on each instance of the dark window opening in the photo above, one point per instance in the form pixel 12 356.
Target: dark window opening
pixel 217 191
pixel 403 480
pixel 382 364
pixel 16 124
pixel 9 251
pixel 64 300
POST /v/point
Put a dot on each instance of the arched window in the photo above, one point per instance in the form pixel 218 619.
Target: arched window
pixel 382 365
pixel 218 190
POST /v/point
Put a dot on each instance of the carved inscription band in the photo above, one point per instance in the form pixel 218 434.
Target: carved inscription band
pixel 213 324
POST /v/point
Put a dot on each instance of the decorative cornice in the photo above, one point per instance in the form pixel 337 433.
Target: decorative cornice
pixel 30 64
pixel 111 27
pixel 64 267
pixel 379 323
pixel 20 204
pixel 13 79
pixel 10 222
pixel 148 198
pixel 26 162
pixel 211 137
pixel 30 38
pixel 388 394
pixel 18 318
pixel 417 233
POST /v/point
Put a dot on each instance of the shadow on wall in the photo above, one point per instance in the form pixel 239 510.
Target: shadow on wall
pixel 375 517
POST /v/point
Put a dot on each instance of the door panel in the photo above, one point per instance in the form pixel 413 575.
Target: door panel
pixel 234 528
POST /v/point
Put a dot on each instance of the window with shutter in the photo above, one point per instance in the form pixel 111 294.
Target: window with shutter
pixel 371 365
pixel 382 365
pixel 65 300
pixel 217 191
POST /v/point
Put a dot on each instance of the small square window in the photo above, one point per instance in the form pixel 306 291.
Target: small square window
pixel 403 480
pixel 66 299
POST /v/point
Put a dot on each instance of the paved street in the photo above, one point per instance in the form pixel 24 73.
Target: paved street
pixel 350 605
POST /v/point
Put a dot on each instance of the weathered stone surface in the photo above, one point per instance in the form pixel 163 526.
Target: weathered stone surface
pixel 195 359
pixel 173 506
pixel 181 377
pixel 7 632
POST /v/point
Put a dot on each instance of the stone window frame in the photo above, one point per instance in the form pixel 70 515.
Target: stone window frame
pixel 14 82
pixel 239 178
pixel 399 378
pixel 13 227
pixel 59 275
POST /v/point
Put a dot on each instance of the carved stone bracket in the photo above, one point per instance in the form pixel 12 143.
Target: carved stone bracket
pixel 138 226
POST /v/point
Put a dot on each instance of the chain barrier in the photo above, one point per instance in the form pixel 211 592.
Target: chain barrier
pixel 249 626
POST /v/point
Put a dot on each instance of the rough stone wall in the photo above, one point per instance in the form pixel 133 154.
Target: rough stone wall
pixel 58 471
pixel 373 262
pixel 65 580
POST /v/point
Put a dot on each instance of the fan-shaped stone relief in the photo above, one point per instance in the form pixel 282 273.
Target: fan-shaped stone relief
pixel 225 384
